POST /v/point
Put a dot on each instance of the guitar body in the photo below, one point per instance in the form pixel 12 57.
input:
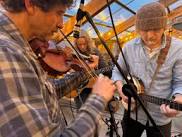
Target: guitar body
pixel 74 93
pixel 140 90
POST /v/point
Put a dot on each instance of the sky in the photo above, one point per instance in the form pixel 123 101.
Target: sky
pixel 119 13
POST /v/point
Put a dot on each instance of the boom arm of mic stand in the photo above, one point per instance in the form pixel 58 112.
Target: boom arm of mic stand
pixel 130 85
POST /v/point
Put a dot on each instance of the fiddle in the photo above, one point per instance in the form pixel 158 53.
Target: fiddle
pixel 55 62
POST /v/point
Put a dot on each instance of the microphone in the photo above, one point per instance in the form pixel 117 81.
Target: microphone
pixel 79 16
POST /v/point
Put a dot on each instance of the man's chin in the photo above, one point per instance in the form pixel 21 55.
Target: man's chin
pixel 151 43
pixel 45 37
pixel 49 36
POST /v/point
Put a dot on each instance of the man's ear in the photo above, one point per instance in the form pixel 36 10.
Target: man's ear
pixel 29 7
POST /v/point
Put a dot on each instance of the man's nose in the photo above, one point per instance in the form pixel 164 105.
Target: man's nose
pixel 151 33
pixel 82 46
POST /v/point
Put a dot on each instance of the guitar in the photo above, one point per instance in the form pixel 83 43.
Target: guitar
pixel 152 99
pixel 74 80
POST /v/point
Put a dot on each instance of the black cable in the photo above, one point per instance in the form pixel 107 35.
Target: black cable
pixel 64 118
pixel 71 108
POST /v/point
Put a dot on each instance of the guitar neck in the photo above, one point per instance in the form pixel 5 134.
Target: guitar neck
pixel 160 101
pixel 98 71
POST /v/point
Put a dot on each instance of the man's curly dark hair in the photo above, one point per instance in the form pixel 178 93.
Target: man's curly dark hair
pixel 45 5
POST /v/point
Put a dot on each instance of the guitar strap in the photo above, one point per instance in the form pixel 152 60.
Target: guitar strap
pixel 161 58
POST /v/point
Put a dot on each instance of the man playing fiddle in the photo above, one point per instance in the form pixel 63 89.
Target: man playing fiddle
pixel 29 103
pixel 85 45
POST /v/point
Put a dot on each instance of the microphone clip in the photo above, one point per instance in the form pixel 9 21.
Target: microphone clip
pixel 80 14
pixel 79 17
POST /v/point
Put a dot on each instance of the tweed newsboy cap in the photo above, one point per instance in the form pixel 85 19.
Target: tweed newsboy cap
pixel 151 16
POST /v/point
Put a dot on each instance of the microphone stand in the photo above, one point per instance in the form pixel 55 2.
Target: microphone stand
pixel 129 88
pixel 113 125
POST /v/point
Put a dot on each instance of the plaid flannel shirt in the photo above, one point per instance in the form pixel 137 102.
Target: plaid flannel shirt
pixel 29 105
